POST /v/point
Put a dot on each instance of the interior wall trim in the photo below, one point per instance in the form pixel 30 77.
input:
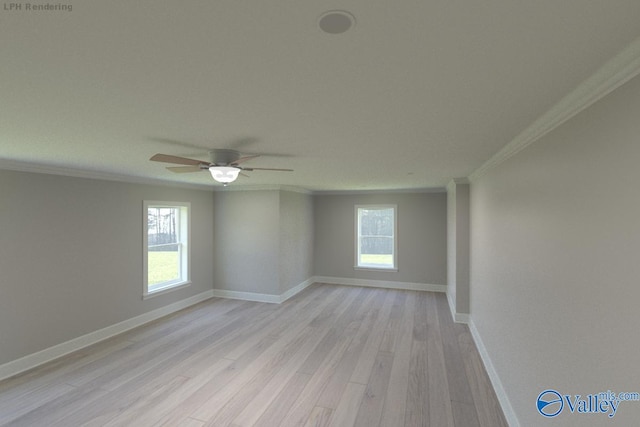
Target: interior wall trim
pixel 296 289
pixel 262 187
pixel 246 296
pixel 375 192
pixel 277 299
pixel 34 360
pixel 258 297
pixel 503 399
pixel 410 286
pixel 18 166
pixel 457 317
pixel 613 74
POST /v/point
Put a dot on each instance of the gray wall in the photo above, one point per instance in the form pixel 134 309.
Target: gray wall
pixel 71 256
pixel 555 242
pixel 296 239
pixel 246 241
pixel 422 223
pixel 263 240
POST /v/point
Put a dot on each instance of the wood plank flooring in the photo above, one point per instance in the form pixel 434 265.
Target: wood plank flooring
pixel 331 356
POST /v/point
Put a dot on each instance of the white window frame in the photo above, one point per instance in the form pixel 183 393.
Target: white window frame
pixel 184 249
pixel 377 267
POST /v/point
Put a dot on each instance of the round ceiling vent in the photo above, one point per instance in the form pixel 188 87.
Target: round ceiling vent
pixel 336 21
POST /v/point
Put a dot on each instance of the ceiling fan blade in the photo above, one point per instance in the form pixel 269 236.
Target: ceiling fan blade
pixel 166 158
pixel 244 159
pixel 267 169
pixel 185 169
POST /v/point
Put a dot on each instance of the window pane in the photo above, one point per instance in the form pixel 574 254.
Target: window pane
pixel 164 249
pixel 376 245
pixel 163 228
pixel 162 225
pixel 166 254
pixel 163 265
pixel 376 237
pixel 376 222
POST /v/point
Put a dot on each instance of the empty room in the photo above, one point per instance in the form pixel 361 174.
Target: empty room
pixel 338 213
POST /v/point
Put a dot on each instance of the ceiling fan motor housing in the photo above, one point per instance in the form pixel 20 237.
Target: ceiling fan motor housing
pixel 224 156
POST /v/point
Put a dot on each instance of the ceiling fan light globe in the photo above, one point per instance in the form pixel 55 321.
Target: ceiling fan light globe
pixel 224 174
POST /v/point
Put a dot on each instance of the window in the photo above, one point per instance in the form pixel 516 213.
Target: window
pixel 166 246
pixel 376 245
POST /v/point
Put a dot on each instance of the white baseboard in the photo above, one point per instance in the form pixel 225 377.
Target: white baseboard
pixel 246 296
pixel 270 298
pixel 296 289
pixel 461 318
pixel 381 284
pixel 457 317
pixel 509 413
pixel 277 299
pixel 47 355
pixel 452 306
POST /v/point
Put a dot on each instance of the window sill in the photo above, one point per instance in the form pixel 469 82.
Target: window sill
pixel 166 290
pixel 373 268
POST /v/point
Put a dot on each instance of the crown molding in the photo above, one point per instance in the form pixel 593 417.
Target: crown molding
pixel 613 74
pixel 457 181
pixel 17 166
pixel 266 187
pixel 373 192
pixel 460 181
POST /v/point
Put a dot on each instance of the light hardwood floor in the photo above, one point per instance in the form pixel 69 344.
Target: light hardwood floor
pixel 331 356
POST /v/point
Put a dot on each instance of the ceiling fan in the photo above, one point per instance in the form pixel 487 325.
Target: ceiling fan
pixel 224 166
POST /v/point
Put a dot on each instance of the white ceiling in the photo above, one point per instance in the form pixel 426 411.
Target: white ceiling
pixel 417 93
